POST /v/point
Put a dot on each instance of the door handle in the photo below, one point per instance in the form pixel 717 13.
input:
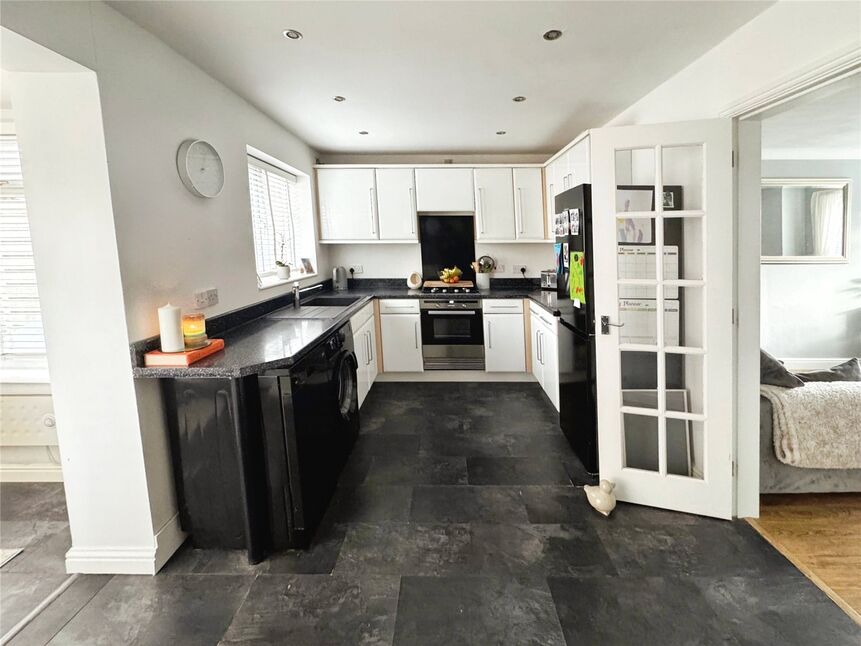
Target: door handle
pixel 520 208
pixel 606 325
pixel 489 336
pixel 416 332
pixel 452 312
pixel 481 209
pixel 368 348
pixel 373 211
pixel 415 209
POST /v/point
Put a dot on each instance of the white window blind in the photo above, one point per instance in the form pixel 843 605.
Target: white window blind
pixel 281 217
pixel 20 316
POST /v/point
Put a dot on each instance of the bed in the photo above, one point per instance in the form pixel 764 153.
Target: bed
pixel 778 477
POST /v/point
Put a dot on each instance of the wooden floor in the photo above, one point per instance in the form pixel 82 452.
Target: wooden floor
pixel 821 535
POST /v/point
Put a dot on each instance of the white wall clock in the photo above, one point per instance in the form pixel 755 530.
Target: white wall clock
pixel 200 168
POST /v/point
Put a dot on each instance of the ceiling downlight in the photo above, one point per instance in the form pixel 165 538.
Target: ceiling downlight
pixel 339 98
pixel 552 34
pixel 500 132
pixel 292 34
pixel 519 99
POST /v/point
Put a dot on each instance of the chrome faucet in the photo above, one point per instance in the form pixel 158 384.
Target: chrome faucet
pixel 296 295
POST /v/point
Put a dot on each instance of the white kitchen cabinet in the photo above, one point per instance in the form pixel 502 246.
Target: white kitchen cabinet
pixel 504 344
pixel 528 204
pixel 494 204
pixel 545 354
pixel 396 203
pixel 444 189
pixel 365 347
pixel 579 163
pixel 348 204
pixel 402 336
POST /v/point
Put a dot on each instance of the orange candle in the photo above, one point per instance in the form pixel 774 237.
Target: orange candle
pixel 194 330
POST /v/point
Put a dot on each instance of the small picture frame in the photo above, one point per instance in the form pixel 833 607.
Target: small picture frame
pixel 669 200
pixel 307 266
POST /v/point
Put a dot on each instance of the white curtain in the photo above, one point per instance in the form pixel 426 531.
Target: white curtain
pixel 826 206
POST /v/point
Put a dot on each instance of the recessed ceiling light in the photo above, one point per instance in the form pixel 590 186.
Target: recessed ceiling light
pixel 339 98
pixel 519 99
pixel 363 132
pixel 292 34
pixel 500 132
pixel 553 34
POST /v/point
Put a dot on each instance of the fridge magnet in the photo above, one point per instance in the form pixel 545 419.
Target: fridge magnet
pixel 575 222
pixel 565 255
pixel 577 279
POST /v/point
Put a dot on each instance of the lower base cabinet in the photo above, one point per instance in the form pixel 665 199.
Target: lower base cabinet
pixel 504 335
pixel 402 342
pixel 545 354
pixel 365 346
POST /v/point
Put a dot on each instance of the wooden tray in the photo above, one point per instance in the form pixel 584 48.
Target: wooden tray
pixel 439 283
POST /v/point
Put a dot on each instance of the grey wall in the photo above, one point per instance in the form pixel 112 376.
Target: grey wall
pixel 813 310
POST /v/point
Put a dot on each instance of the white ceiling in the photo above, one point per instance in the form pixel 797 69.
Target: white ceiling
pixel 824 124
pixel 440 76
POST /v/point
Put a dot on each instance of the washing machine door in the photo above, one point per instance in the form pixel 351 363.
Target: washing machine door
pixel 347 385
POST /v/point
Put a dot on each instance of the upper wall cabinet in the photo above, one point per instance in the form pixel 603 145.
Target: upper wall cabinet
pixel 396 204
pixel 348 204
pixel 444 189
pixel 528 204
pixel 571 168
pixel 494 204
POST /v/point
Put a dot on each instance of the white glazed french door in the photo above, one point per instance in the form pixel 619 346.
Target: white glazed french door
pixel 663 243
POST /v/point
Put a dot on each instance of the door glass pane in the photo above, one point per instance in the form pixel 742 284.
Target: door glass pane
pixel 640 433
pixel 635 180
pixel 640 320
pixel 682 172
pixel 683 248
pixel 685 446
pixel 639 379
pixel 684 378
pixel 687 324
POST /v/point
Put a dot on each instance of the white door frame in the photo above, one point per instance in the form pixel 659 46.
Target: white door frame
pixel 747 231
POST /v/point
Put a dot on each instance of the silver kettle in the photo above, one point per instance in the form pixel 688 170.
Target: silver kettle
pixel 339 279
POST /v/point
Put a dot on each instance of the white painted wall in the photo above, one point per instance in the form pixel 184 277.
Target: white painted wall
pixel 166 244
pixel 811 310
pixel 399 260
pixel 783 41
pixel 78 273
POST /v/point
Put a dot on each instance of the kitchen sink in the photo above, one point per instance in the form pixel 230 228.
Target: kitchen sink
pixel 317 307
pixel 330 301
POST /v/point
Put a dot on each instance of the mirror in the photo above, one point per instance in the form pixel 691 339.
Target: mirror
pixel 804 220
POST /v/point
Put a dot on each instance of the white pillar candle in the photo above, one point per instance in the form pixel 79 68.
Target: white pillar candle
pixel 170 328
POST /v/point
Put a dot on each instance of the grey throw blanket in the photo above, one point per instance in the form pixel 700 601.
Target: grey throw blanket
pixel 817 426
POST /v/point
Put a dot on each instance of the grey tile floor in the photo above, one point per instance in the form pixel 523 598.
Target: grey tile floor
pixel 455 523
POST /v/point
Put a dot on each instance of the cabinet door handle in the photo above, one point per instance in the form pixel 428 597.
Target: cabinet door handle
pixel 414 206
pixel 370 346
pixel 373 211
pixel 489 336
pixel 416 333
pixel 520 208
pixel 481 209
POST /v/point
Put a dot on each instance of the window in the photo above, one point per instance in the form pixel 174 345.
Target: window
pixel 20 315
pixel 282 221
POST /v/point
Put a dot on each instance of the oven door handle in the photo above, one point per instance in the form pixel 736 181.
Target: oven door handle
pixel 451 312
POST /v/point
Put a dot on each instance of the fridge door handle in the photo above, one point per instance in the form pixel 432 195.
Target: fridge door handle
pixel 606 325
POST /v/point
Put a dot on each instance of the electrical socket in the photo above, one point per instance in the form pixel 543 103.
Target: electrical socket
pixel 357 269
pixel 206 298
pixel 500 268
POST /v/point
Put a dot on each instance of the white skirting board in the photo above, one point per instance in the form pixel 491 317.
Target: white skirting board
pixel 128 560
pixel 455 375
pixel 30 473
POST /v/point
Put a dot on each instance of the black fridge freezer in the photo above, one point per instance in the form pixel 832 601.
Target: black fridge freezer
pixel 578 414
pixel 574 264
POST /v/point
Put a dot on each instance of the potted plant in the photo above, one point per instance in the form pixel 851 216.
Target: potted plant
pixel 483 267
pixel 282 270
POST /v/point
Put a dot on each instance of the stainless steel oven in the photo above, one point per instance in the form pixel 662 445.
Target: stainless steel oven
pixel 452 334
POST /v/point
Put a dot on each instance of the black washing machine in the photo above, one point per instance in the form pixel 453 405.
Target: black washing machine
pixel 310 423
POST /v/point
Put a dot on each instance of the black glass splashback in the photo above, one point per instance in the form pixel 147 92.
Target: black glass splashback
pixel 447 241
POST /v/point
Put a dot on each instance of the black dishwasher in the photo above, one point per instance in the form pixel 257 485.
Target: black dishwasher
pixel 310 416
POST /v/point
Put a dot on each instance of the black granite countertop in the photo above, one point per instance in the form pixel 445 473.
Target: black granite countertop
pixel 257 342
